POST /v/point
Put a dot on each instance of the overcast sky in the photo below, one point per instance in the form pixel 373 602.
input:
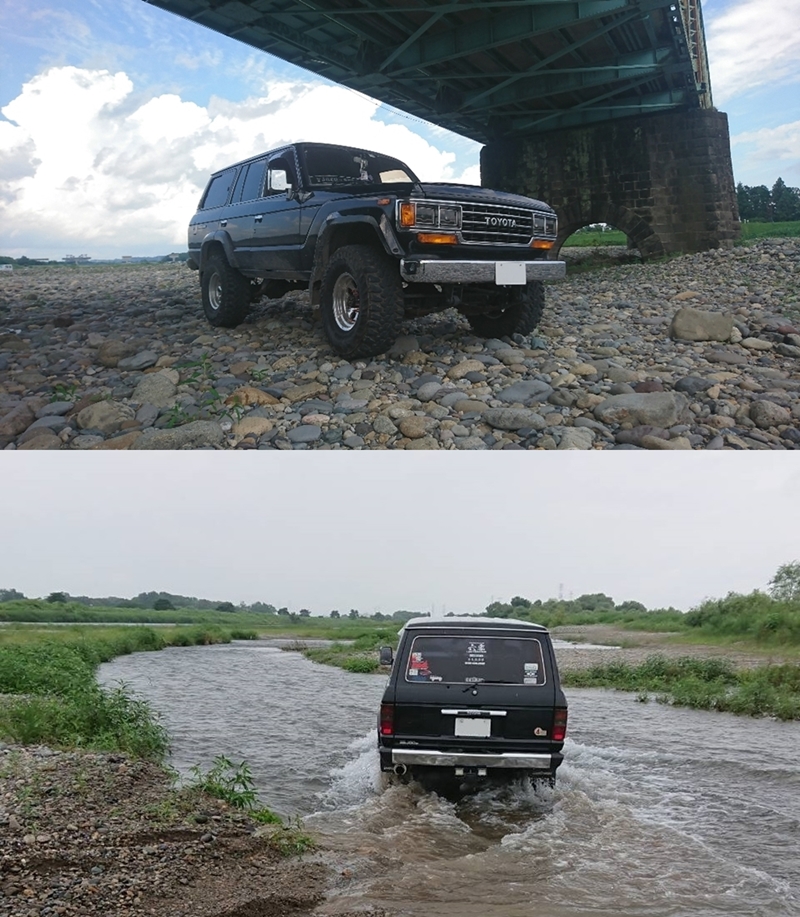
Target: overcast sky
pixel 114 112
pixel 382 532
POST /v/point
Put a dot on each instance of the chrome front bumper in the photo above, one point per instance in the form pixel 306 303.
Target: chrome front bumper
pixel 411 757
pixel 436 271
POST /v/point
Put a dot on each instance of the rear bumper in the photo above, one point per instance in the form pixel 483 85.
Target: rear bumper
pixel 516 760
pixel 415 270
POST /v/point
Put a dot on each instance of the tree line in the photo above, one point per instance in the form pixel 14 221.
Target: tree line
pixel 760 204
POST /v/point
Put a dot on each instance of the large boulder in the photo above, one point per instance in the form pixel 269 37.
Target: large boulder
pixel 698 325
pixel 658 409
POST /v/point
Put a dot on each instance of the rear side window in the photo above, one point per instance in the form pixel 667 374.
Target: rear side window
pixel 218 190
pixel 468 660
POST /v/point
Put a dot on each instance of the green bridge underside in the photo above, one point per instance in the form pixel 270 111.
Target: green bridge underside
pixel 498 68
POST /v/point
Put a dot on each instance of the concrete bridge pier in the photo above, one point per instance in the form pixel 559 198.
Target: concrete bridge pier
pixel 666 180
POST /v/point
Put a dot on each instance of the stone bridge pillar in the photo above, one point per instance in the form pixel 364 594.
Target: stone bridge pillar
pixel 666 180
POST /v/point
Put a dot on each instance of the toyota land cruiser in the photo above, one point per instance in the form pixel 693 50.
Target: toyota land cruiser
pixel 371 242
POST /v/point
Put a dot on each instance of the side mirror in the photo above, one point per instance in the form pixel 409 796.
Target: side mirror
pixel 386 657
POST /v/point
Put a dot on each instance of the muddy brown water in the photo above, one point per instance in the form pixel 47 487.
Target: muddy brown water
pixel 658 811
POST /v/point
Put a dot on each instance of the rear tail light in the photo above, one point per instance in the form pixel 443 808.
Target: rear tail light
pixel 560 724
pixel 387 720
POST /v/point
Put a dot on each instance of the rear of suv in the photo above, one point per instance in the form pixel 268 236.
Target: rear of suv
pixel 471 698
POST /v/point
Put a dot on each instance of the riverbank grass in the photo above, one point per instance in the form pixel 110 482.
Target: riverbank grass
pixel 234 784
pixel 49 695
pixel 359 655
pixel 703 684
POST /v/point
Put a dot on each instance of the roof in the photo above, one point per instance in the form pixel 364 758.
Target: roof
pixel 483 623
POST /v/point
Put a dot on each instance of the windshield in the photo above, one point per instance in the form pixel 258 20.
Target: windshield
pixel 337 167
pixel 468 660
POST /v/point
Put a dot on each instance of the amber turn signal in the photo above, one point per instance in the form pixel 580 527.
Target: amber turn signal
pixel 437 238
pixel 542 243
pixel 408 214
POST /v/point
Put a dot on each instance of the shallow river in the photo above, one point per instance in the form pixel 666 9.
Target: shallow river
pixel 658 812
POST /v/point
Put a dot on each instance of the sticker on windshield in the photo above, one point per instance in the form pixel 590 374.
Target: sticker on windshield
pixel 476 653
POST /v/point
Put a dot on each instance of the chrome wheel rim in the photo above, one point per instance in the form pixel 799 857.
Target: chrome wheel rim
pixel 215 291
pixel 346 304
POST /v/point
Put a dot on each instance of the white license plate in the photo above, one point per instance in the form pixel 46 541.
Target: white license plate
pixel 473 726
pixel 510 273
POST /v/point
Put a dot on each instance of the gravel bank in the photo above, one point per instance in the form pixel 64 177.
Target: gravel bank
pixel 612 644
pixel 120 357
pixel 101 834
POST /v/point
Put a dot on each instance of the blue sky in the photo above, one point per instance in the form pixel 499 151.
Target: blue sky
pixel 114 113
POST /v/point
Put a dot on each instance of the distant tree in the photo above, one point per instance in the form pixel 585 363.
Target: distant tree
pixel 334 614
pixel 596 601
pixel 785 585
pixel 499 610
pixel 58 598
pixel 284 611
pixel 10 595
pixel 785 202
pixel 163 605
pixel 263 608
pixel 378 616
pixel 407 615
pixel 353 613
pixel 305 613
pixel 519 602
pixel 225 606
pixel 630 606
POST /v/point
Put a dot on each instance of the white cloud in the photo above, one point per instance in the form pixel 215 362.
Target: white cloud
pixel 752 44
pixel 89 164
pixel 779 147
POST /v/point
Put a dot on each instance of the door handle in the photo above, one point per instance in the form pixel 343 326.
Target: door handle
pixel 223 223
pixel 259 218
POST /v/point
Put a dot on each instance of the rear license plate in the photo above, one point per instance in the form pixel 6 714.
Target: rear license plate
pixel 510 273
pixel 479 727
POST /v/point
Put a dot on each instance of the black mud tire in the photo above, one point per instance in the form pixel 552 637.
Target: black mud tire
pixel 361 301
pixel 519 312
pixel 225 292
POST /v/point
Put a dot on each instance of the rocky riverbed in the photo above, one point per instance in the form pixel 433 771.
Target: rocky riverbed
pixel 102 834
pixel 698 352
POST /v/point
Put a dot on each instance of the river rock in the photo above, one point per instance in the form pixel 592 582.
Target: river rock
pixel 766 414
pixel 17 420
pixel 661 409
pixel 576 438
pixel 142 360
pixel 416 426
pixel 196 434
pixel 155 388
pixel 514 419
pixel 526 391
pixel 697 325
pixel 104 416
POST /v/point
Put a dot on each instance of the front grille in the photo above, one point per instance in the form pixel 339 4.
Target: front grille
pixel 493 224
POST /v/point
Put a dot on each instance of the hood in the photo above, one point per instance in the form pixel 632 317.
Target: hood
pixel 444 191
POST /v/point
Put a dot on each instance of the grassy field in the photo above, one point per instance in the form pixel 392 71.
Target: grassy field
pixel 36 611
pixel 750 232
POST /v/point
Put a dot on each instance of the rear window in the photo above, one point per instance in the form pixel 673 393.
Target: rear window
pixel 468 660
pixel 218 190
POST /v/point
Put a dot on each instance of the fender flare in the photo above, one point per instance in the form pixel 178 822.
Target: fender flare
pixel 218 236
pixel 382 229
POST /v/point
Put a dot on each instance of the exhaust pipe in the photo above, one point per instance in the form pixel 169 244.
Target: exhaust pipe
pixel 400 769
